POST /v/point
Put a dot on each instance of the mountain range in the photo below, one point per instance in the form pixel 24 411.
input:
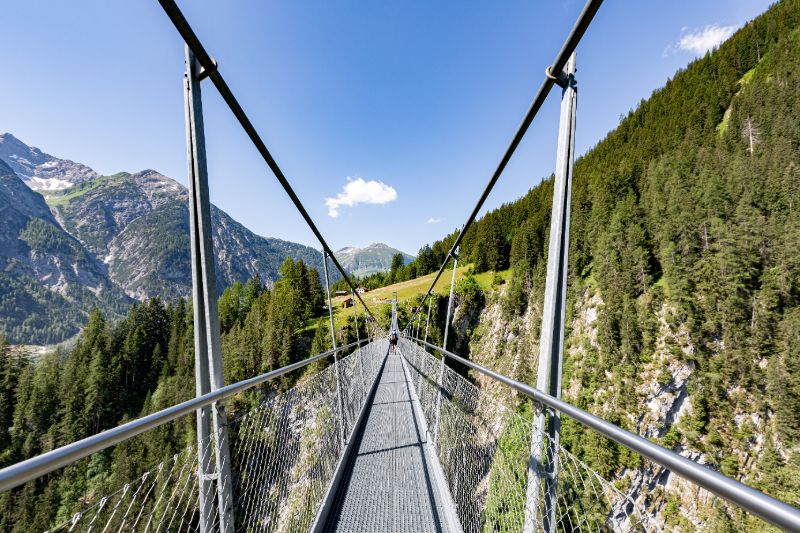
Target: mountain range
pixel 72 240
pixel 376 257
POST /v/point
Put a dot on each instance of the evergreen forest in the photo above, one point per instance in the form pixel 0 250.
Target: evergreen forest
pixel 141 364
pixel 685 235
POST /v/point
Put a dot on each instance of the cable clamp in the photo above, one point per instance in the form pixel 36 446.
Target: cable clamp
pixel 203 74
pixel 562 80
pixel 539 407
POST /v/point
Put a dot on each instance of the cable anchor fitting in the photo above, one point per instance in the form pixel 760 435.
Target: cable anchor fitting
pixel 562 80
pixel 206 72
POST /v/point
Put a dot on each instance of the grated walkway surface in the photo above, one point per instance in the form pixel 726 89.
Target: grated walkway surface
pixel 388 485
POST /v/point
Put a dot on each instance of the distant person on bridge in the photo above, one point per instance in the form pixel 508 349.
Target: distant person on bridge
pixel 393 341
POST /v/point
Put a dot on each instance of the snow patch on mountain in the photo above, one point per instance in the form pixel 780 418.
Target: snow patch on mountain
pixel 41 171
pixel 46 184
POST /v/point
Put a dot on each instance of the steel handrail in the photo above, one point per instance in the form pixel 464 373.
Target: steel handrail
pixel 24 471
pixel 774 511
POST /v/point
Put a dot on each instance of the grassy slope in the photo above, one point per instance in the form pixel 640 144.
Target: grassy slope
pixel 408 290
pixel 64 196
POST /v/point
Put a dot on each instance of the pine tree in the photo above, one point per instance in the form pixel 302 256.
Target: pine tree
pixel 12 365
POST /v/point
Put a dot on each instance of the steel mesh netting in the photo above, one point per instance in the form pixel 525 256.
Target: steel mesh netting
pixel 484 447
pixel 283 456
pixel 164 498
pixel 287 449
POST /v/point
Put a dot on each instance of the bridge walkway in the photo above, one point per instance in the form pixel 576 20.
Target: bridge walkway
pixel 390 482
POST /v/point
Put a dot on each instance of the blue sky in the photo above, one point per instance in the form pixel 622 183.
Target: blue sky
pixel 406 103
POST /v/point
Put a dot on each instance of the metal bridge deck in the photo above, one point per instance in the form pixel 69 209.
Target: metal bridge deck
pixel 389 483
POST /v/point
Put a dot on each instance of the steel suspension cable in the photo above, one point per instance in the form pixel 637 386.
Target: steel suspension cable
pixel 211 71
pixel 552 76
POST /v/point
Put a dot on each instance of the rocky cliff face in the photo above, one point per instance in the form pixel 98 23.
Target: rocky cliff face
pixel 48 281
pixel 104 241
pixel 663 398
pixel 138 225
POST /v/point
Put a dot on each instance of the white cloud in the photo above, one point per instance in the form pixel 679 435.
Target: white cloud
pixel 433 220
pixel 359 191
pixel 701 41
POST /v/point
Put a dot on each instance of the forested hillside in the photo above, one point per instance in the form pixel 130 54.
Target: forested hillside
pixel 684 298
pixel 141 364
pixel 48 281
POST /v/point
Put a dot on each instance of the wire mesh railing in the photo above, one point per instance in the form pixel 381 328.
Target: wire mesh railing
pixel 284 453
pixel 502 479
pixel 483 447
pixel 164 498
pixel 287 449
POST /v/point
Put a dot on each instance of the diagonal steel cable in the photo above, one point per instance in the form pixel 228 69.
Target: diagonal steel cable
pixel 551 78
pixel 211 70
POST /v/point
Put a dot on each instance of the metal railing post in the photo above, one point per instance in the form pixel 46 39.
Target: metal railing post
pixel 366 324
pixel 202 382
pixel 394 328
pixel 443 365
pixel 428 320
pixel 208 352
pixel 450 301
pixel 358 340
pixel 335 353
pixel 551 345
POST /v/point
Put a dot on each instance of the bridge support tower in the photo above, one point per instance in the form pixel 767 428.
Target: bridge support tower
pixel 541 501
pixel 335 352
pixel 444 345
pixel 212 424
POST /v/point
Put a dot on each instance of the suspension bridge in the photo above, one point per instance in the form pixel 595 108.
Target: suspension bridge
pixel 388 437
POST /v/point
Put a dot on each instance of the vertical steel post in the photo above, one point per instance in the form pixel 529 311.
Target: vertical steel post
pixel 551 346
pixel 208 352
pixel 366 324
pixel 335 353
pixel 444 347
pixel 393 327
pixel 355 317
pixel 419 317
pixel 202 382
pixel 450 301
pixel 428 320
pixel 358 341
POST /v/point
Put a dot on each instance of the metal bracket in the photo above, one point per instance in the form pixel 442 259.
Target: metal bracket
pixel 539 407
pixel 219 407
pixel 203 74
pixel 562 80
pixel 211 477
